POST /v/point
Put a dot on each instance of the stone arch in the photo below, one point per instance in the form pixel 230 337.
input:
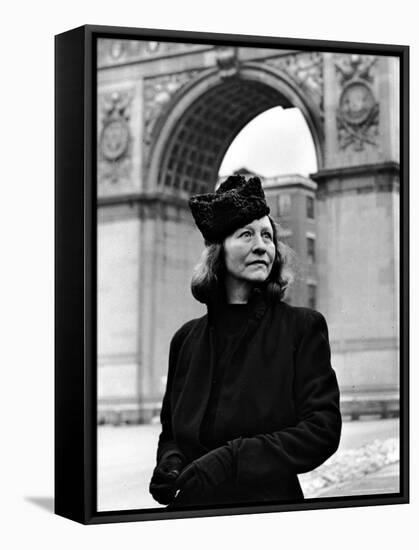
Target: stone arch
pixel 203 118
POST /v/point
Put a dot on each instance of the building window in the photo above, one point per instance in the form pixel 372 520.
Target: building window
pixel 312 296
pixel 310 207
pixel 311 252
pixel 284 204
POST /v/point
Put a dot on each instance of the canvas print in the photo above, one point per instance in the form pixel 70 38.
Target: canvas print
pixel 248 268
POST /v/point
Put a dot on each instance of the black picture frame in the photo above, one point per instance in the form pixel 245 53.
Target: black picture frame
pixel 76 271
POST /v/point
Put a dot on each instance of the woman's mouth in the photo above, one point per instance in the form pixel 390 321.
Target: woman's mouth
pixel 259 262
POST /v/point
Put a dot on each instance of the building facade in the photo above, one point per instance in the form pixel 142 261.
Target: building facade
pixel 167 113
pixel 292 203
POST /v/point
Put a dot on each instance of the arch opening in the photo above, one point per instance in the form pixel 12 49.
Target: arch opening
pixel 277 142
pixel 198 143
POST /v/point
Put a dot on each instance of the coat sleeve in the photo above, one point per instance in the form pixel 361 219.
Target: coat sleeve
pixel 166 444
pixel 316 435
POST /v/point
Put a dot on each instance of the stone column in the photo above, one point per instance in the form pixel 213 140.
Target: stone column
pixel 170 247
pixel 358 219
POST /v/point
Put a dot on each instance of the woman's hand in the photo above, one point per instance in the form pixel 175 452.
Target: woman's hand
pixel 162 484
pixel 205 473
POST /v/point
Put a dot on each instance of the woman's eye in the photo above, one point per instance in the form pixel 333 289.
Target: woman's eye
pixel 246 234
pixel 267 236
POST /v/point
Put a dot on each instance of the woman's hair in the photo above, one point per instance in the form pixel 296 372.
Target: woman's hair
pixel 211 270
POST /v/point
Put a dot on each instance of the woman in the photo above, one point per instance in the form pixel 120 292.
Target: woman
pixel 251 398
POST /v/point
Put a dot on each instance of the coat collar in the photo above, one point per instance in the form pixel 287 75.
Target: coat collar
pixel 258 302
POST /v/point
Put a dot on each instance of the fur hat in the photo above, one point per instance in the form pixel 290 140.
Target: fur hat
pixel 235 203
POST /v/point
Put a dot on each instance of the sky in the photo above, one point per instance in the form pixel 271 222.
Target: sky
pixel 276 142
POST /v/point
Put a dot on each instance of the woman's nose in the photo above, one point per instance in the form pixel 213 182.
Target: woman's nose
pixel 259 244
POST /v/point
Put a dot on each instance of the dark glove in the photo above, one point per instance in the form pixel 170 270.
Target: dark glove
pixel 162 483
pixel 206 473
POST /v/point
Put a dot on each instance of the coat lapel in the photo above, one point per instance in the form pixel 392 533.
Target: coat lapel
pixel 193 385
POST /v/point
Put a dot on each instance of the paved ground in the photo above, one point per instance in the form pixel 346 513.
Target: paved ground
pixel 385 480
pixel 126 457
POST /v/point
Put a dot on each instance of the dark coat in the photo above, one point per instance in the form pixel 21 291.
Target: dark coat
pixel 278 406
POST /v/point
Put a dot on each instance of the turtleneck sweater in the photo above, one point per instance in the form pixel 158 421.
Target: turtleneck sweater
pixel 230 322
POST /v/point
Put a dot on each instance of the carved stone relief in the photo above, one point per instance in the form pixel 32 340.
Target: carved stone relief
pixel 115 140
pixel 306 69
pixel 357 114
pixel 158 91
pixel 115 51
pixel 227 62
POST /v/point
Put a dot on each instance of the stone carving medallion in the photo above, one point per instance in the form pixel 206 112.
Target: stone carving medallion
pixel 115 138
pixel 358 110
pixel 356 103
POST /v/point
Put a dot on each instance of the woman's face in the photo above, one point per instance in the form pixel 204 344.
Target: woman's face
pixel 250 251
